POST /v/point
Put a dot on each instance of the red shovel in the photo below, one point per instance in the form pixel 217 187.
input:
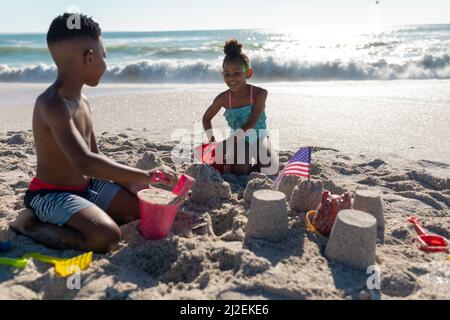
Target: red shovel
pixel 207 153
pixel 429 242
pixel 184 185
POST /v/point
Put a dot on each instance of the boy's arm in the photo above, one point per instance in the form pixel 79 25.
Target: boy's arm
pixel 212 111
pixel 260 105
pixel 94 145
pixel 58 118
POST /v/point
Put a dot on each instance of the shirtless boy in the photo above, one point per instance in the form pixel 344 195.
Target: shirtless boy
pixel 75 204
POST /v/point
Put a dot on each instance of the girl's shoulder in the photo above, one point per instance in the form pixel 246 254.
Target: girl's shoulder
pixel 260 92
pixel 222 98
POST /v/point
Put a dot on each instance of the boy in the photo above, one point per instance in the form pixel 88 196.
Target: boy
pixel 71 209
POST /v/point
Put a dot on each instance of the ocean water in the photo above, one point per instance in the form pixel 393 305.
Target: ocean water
pixel 317 54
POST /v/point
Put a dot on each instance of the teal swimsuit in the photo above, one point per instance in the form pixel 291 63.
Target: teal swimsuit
pixel 238 117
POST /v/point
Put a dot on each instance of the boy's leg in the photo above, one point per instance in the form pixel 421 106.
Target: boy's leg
pixel 120 204
pixel 98 231
pixel 53 236
pixel 124 208
pixel 91 229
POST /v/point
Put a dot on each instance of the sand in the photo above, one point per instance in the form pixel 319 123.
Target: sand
pixel 157 196
pixel 405 119
pixel 205 257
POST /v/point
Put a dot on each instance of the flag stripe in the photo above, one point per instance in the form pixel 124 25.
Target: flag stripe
pixel 296 170
pixel 298 167
pixel 300 164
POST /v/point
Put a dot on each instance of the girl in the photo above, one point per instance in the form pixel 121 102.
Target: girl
pixel 245 113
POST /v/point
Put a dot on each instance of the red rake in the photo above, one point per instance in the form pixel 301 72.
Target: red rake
pixel 429 242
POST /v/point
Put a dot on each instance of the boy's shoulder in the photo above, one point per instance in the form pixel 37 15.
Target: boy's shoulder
pixel 50 103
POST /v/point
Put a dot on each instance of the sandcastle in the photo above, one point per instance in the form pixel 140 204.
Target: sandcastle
pixel 209 186
pixel 353 239
pixel 370 202
pixel 258 182
pixel 306 195
pixel 268 216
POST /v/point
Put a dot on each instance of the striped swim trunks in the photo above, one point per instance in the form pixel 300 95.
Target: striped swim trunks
pixel 58 207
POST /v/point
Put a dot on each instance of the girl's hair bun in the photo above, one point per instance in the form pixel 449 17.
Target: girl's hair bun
pixel 233 48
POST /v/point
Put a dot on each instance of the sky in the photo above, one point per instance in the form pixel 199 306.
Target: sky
pixel 19 16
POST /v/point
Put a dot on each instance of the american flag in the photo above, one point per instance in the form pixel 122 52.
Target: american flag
pixel 299 165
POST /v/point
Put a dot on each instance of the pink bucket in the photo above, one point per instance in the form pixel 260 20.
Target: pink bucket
pixel 156 219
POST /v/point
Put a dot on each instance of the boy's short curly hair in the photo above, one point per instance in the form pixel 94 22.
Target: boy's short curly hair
pixel 233 52
pixel 60 28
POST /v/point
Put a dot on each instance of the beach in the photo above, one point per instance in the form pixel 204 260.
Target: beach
pixel 372 104
pixel 388 137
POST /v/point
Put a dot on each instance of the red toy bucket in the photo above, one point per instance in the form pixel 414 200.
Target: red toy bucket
pixel 157 219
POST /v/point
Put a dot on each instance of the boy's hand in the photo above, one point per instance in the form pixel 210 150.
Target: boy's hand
pixel 136 187
pixel 171 177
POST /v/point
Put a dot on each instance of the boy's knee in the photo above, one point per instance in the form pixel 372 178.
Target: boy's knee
pixel 25 222
pixel 105 239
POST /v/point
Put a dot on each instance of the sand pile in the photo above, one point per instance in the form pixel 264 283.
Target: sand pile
pixel 149 161
pixel 206 256
pixel 306 195
pixel 209 187
pixel 257 182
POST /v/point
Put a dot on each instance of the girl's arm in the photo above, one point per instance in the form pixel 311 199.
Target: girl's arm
pixel 260 105
pixel 212 111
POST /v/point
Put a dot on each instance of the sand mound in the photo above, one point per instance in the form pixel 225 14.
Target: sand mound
pixel 148 161
pixel 209 188
pixel 257 182
pixel 306 196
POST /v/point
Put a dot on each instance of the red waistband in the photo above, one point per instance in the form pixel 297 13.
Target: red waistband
pixel 38 185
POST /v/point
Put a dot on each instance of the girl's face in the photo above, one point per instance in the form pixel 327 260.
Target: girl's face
pixel 235 75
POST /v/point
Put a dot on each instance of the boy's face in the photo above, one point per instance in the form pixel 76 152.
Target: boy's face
pixel 95 63
pixel 235 75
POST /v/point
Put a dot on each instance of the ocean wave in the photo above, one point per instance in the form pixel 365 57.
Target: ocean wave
pixel 12 50
pixel 266 69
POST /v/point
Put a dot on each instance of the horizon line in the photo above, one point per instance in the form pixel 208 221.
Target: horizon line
pixel 230 29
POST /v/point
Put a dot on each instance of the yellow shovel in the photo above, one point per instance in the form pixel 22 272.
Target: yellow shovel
pixel 65 267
